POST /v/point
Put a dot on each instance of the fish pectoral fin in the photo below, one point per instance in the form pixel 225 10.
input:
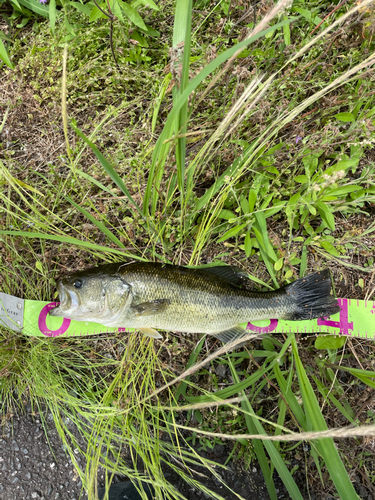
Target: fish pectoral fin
pixel 152 307
pixel 150 332
pixel 230 335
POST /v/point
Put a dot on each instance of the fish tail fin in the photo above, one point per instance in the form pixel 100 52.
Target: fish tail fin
pixel 312 297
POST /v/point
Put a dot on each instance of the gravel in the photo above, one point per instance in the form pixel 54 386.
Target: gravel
pixel 30 468
pixel 33 467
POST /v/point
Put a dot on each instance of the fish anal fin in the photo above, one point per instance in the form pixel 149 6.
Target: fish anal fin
pixel 231 334
pixel 150 332
pixel 152 307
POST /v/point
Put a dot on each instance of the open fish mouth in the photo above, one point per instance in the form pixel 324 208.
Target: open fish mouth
pixel 69 302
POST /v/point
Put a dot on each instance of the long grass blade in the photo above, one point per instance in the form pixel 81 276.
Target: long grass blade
pixel 180 65
pixel 316 422
pixel 72 241
pixel 96 222
pixel 254 427
pixel 107 167
pixel 161 147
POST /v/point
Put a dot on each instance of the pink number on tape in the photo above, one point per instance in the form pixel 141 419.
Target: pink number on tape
pixel 263 329
pixel 43 325
pixel 343 323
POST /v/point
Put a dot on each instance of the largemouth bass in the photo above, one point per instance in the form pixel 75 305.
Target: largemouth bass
pixel 215 300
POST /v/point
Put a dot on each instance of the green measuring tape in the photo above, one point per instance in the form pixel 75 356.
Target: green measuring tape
pixel 355 319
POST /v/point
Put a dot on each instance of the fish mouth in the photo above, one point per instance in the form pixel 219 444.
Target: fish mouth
pixel 69 302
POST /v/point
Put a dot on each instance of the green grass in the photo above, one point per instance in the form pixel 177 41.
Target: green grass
pixel 254 152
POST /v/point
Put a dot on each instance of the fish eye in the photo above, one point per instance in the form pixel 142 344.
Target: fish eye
pixel 78 283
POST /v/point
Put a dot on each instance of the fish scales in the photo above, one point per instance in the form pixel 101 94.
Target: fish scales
pixel 147 295
pixel 198 301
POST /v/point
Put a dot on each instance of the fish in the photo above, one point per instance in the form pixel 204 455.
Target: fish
pixel 151 296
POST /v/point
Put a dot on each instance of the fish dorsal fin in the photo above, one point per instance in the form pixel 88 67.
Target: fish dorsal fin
pixel 231 334
pixel 150 332
pixel 232 275
pixel 152 307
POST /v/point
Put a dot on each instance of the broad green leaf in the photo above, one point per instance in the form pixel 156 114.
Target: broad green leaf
pixel 4 56
pixel 252 200
pixel 355 111
pixel 262 223
pixel 345 117
pixel 36 7
pixel 279 264
pixel 328 198
pixel 308 14
pixel 344 190
pixel 294 200
pixel 39 266
pixel 266 202
pixel 312 209
pixel 117 11
pixel 248 245
pixel 329 247
pixel 345 164
pixel 244 205
pixel 273 170
pixel 326 215
pixel 232 232
pixel 96 13
pixel 139 38
pixel 17 4
pixel 133 15
pixel 302 179
pixel 274 149
pixel 198 416
pixel 310 162
pixel 286 30
pixel 279 205
pixel 84 8
pixel 227 214
pixel 151 32
pixel 288 274
pixel 329 342
pixel 23 23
